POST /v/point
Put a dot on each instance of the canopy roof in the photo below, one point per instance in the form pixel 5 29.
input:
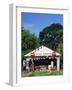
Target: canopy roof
pixel 42 51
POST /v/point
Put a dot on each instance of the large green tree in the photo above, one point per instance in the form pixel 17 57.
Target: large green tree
pixel 52 37
pixel 29 41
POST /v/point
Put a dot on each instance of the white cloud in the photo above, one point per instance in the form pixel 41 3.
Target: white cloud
pixel 28 25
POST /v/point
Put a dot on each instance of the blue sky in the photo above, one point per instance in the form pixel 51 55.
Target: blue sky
pixel 35 22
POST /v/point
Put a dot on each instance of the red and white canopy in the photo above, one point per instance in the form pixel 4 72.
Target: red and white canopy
pixel 42 51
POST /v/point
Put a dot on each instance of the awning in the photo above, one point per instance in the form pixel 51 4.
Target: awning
pixel 42 51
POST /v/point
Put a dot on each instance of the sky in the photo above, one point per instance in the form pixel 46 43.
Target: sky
pixel 36 22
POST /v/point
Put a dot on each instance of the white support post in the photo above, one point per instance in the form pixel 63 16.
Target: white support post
pixel 58 63
pixel 52 64
pixel 27 63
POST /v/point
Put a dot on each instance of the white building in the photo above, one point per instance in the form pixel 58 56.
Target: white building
pixel 44 52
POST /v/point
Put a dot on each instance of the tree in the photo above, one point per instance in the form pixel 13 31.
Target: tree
pixel 52 37
pixel 29 41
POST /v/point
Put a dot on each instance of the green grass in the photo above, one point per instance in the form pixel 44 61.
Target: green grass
pixel 46 73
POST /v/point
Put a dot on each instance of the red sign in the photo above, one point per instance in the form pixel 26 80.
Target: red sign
pixel 32 54
pixel 53 54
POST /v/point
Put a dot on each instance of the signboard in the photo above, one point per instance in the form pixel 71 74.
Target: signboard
pixel 53 55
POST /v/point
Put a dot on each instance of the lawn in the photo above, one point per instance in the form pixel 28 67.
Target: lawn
pixel 40 73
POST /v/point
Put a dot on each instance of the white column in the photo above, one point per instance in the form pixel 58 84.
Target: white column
pixel 27 63
pixel 58 63
pixel 52 64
